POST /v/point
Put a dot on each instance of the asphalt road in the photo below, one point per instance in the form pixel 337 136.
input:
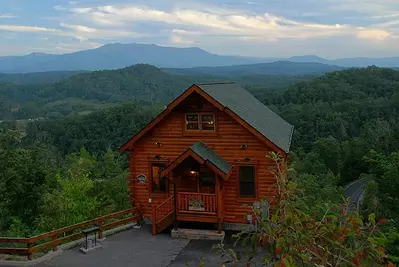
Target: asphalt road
pixel 356 189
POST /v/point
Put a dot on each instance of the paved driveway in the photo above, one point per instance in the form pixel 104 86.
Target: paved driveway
pixel 139 248
pixel 198 251
pixel 135 247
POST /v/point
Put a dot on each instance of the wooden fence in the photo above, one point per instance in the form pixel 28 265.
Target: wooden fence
pixel 50 240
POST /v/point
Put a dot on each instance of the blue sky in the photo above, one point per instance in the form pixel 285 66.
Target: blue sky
pixel 261 28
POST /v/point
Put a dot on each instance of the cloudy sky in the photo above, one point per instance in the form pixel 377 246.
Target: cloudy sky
pixel 262 28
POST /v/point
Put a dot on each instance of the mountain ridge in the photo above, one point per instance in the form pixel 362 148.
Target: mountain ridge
pixel 117 55
pixel 272 68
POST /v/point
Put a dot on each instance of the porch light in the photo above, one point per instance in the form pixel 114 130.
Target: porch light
pixel 194 173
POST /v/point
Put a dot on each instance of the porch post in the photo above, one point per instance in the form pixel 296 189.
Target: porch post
pixel 218 203
pixel 175 203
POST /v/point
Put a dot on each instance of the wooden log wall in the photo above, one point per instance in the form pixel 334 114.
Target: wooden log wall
pixel 226 141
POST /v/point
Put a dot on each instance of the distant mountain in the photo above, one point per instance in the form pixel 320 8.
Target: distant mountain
pixel 274 68
pixel 309 58
pixel 114 56
pixel 389 62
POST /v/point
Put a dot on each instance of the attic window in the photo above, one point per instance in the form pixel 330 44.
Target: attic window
pixel 200 122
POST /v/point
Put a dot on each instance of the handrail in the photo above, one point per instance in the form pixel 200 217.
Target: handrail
pixel 196 194
pixel 164 209
pixel 55 240
pixel 164 202
pixel 161 212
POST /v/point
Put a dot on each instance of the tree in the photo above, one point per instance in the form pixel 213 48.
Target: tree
pixel 72 202
pixel 292 237
pixel 23 176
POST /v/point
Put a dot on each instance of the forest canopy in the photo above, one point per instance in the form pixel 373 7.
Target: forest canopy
pixel 346 127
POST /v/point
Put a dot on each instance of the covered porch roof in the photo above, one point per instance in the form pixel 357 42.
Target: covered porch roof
pixel 204 155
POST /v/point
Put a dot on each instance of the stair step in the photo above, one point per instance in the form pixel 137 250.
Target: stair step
pixel 197 234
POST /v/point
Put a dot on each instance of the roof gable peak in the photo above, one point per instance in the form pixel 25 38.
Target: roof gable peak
pixel 240 105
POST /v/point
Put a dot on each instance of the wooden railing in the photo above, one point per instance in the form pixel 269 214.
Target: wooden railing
pixel 161 213
pixel 54 238
pixel 206 203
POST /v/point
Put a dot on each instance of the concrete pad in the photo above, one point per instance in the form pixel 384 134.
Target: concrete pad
pixel 199 252
pixel 197 234
pixel 91 249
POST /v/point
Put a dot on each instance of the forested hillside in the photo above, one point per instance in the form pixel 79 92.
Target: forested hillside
pixel 87 92
pixel 346 127
pixel 36 77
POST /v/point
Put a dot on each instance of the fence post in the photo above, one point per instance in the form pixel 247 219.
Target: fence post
pixel 154 224
pixel 29 246
pixel 54 238
pixel 100 226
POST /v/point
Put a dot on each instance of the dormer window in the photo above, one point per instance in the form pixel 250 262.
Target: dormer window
pixel 200 122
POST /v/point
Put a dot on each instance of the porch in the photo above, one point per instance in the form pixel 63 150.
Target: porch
pixel 196 192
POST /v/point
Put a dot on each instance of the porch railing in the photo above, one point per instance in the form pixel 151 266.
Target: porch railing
pixel 162 215
pixel 196 203
pixel 50 241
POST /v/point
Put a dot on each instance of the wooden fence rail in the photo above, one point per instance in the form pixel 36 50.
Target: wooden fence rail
pixel 59 236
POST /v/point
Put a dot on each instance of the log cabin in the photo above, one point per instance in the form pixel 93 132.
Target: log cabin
pixel 205 156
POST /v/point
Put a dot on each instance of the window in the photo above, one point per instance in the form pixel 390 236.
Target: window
pixel 247 186
pixel 192 122
pixel 200 122
pixel 207 122
pixel 158 184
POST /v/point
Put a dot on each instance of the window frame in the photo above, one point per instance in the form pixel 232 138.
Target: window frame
pixel 150 189
pixel 200 130
pixel 247 199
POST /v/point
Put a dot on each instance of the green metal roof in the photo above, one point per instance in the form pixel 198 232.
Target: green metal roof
pixel 252 111
pixel 208 154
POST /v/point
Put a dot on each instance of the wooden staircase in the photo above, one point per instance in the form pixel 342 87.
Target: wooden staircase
pixel 162 215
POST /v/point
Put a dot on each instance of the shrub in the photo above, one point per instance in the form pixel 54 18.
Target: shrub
pixel 293 237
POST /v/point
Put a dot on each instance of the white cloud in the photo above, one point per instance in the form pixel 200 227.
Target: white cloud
pixel 82 32
pixel 79 32
pixel 224 22
pixel 20 28
pixel 373 34
pixel 82 10
pixel 179 40
pixel 228 27
pixel 79 28
pixel 59 8
pixel 392 15
pixel 388 24
pixel 375 8
pixel 7 16
pixel 63 47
